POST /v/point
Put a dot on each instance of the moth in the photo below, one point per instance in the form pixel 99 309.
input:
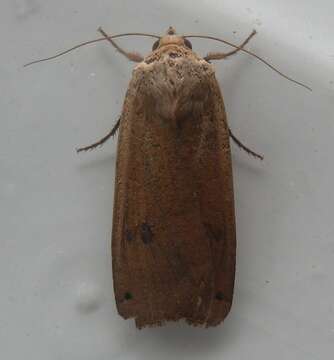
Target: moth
pixel 173 235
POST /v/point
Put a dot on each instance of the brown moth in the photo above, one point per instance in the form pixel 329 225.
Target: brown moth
pixel 173 237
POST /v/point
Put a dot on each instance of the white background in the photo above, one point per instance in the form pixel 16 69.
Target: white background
pixel 56 206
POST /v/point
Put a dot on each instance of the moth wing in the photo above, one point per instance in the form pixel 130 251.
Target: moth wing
pixel 173 242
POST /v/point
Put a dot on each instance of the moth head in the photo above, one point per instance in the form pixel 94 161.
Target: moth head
pixel 171 38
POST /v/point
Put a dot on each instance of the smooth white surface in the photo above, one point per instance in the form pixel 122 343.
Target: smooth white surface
pixel 56 206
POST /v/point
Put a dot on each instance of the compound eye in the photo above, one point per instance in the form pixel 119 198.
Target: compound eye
pixel 188 44
pixel 155 45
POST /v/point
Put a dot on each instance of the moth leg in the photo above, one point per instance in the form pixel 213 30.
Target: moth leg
pixel 103 140
pixel 219 55
pixel 242 146
pixel 132 56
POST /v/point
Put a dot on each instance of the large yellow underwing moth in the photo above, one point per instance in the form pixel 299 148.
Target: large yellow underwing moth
pixel 173 237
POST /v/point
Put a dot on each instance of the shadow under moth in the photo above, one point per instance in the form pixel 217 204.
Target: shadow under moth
pixel 173 237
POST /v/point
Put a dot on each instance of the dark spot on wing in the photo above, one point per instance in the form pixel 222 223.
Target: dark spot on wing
pixel 128 296
pixel 219 296
pixel 128 235
pixel 146 233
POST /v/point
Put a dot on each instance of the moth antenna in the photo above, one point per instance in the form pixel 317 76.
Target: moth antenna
pixel 90 42
pixel 252 54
